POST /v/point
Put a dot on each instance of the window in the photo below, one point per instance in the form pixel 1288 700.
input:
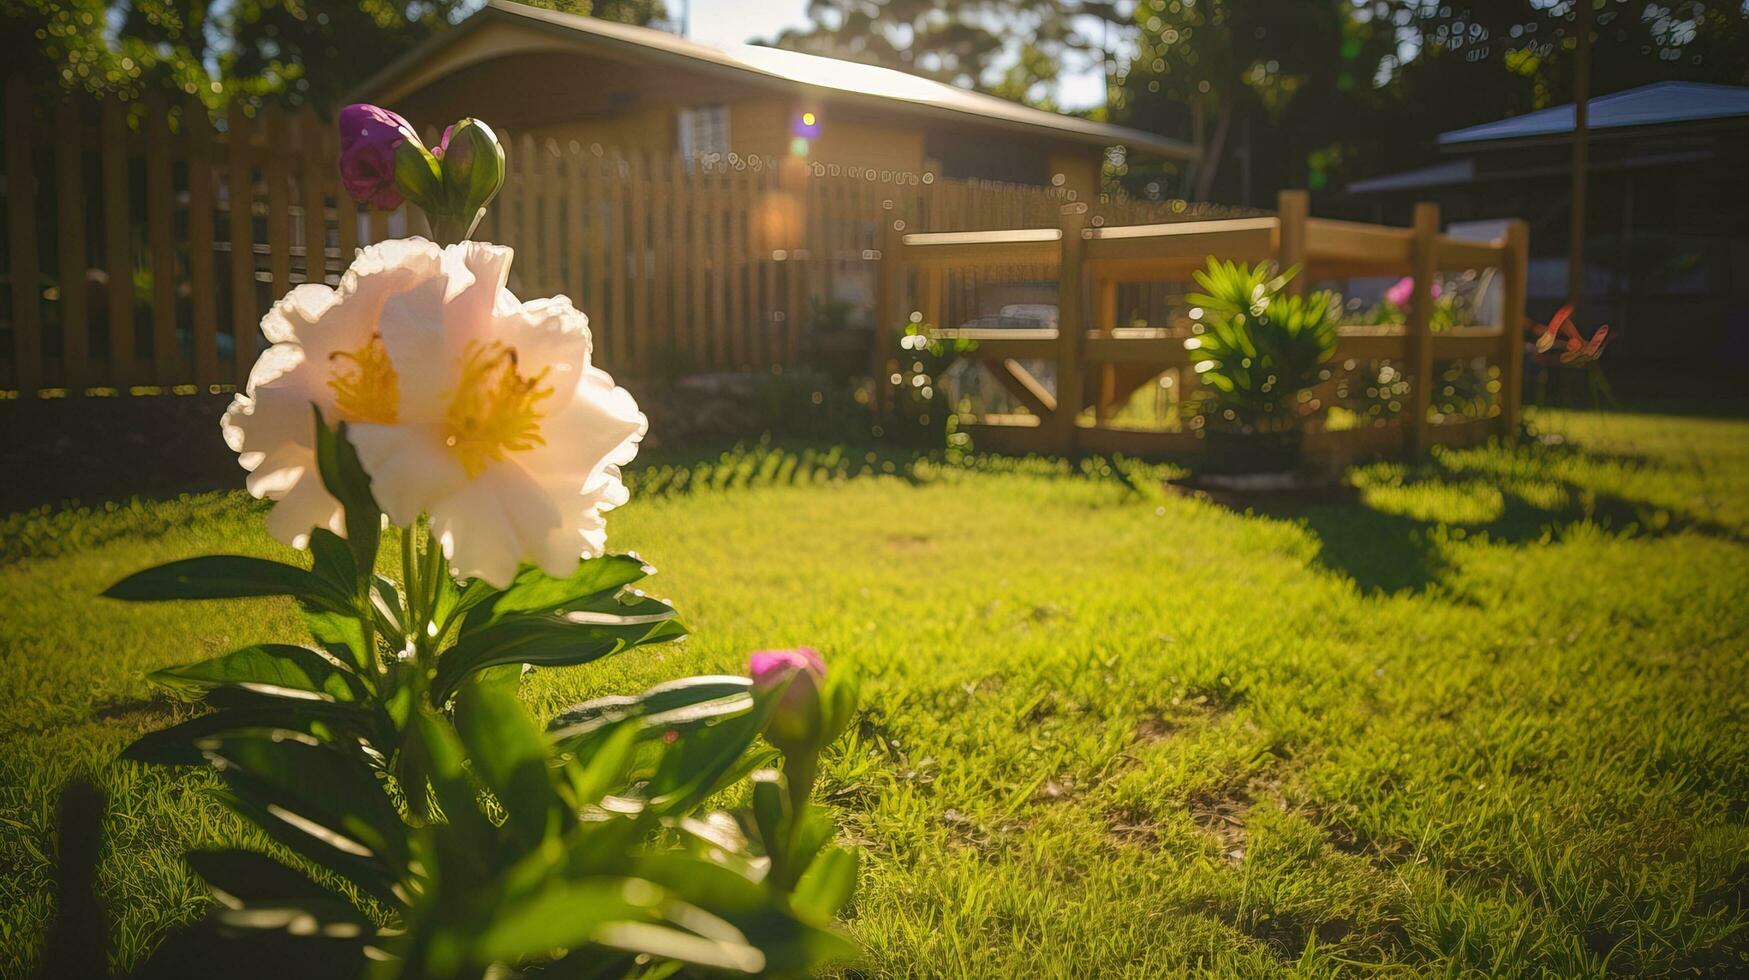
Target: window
pixel 704 130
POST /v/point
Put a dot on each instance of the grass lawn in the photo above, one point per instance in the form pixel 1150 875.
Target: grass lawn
pixel 1489 719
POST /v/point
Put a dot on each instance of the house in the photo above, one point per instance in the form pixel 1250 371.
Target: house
pixel 1667 222
pixel 634 89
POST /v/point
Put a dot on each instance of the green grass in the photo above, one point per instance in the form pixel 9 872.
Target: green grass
pixel 1487 720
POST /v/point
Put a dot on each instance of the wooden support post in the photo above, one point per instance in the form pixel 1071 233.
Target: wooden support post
pixel 1293 208
pixel 1071 330
pixel 21 191
pixel 1105 321
pixel 1512 296
pixel 890 312
pixel 71 208
pixel 1420 329
pixel 929 298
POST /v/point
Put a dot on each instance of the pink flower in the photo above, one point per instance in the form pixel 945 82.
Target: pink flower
pixel 369 136
pixel 1400 294
pixel 799 673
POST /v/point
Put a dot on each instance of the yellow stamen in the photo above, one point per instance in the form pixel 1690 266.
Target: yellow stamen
pixel 367 389
pixel 494 409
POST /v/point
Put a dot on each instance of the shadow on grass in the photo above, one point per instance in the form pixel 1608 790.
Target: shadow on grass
pixel 1390 548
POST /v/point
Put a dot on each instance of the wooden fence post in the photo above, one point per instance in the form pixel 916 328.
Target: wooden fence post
pixel 1420 328
pixel 1512 295
pixel 161 242
pixel 1071 328
pixel 278 204
pixel 1293 208
pixel 21 191
pixel 313 196
pixel 118 260
pixel 240 195
pixel 203 285
pixel 71 208
pixel 345 211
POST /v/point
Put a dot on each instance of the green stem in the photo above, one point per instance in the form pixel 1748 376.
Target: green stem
pixel 409 582
pixel 436 570
pixel 799 771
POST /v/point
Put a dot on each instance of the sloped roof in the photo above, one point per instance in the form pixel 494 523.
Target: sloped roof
pixel 1648 105
pixel 845 80
pixel 1435 175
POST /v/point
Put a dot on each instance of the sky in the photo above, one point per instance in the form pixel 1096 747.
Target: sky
pixel 724 22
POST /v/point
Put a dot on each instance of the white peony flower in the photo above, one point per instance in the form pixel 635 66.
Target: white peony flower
pixel 464 404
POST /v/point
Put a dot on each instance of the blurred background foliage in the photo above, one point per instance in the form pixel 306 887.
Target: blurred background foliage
pixel 295 52
pixel 1282 93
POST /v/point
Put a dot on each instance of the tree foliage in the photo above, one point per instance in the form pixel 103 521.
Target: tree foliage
pixel 1017 49
pixel 296 52
pixel 1310 93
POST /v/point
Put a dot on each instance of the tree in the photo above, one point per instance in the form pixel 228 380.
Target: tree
pixel 643 13
pixel 1017 49
pixel 259 50
pixel 1311 93
pixel 295 52
pixel 1294 71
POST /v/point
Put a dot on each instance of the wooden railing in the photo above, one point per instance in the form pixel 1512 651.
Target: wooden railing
pixel 1099 364
pixel 145 242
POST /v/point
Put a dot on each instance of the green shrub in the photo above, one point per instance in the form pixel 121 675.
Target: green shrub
pixel 1257 348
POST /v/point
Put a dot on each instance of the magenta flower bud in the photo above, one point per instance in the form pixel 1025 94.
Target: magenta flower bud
pixel 443 144
pixel 1403 290
pixel 796 720
pixel 369 136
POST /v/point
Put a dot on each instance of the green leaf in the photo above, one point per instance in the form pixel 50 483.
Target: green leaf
pixel 272 669
pixel 180 744
pixel 534 591
pixel 255 891
pixel 345 636
pixel 443 761
pixel 790 943
pixel 332 561
pixel 827 885
pixel 838 704
pixel 224 577
pixel 547 641
pixel 512 758
pixel 325 803
pixel 606 768
pixel 346 479
pixel 679 705
pixel 473 171
pixel 418 175
pixel 455 600
pixel 703 761
pixel 387 606
pixel 565 914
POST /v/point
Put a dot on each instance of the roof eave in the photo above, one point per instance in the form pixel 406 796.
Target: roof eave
pixel 1061 128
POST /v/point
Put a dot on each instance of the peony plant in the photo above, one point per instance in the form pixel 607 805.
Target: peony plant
pixel 447 455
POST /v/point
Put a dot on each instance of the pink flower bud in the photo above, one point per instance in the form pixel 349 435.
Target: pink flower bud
pixel 796 719
pixel 1403 291
pixel 368 137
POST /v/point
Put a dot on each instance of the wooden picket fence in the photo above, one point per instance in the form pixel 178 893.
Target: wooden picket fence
pixel 144 242
pixel 1096 362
